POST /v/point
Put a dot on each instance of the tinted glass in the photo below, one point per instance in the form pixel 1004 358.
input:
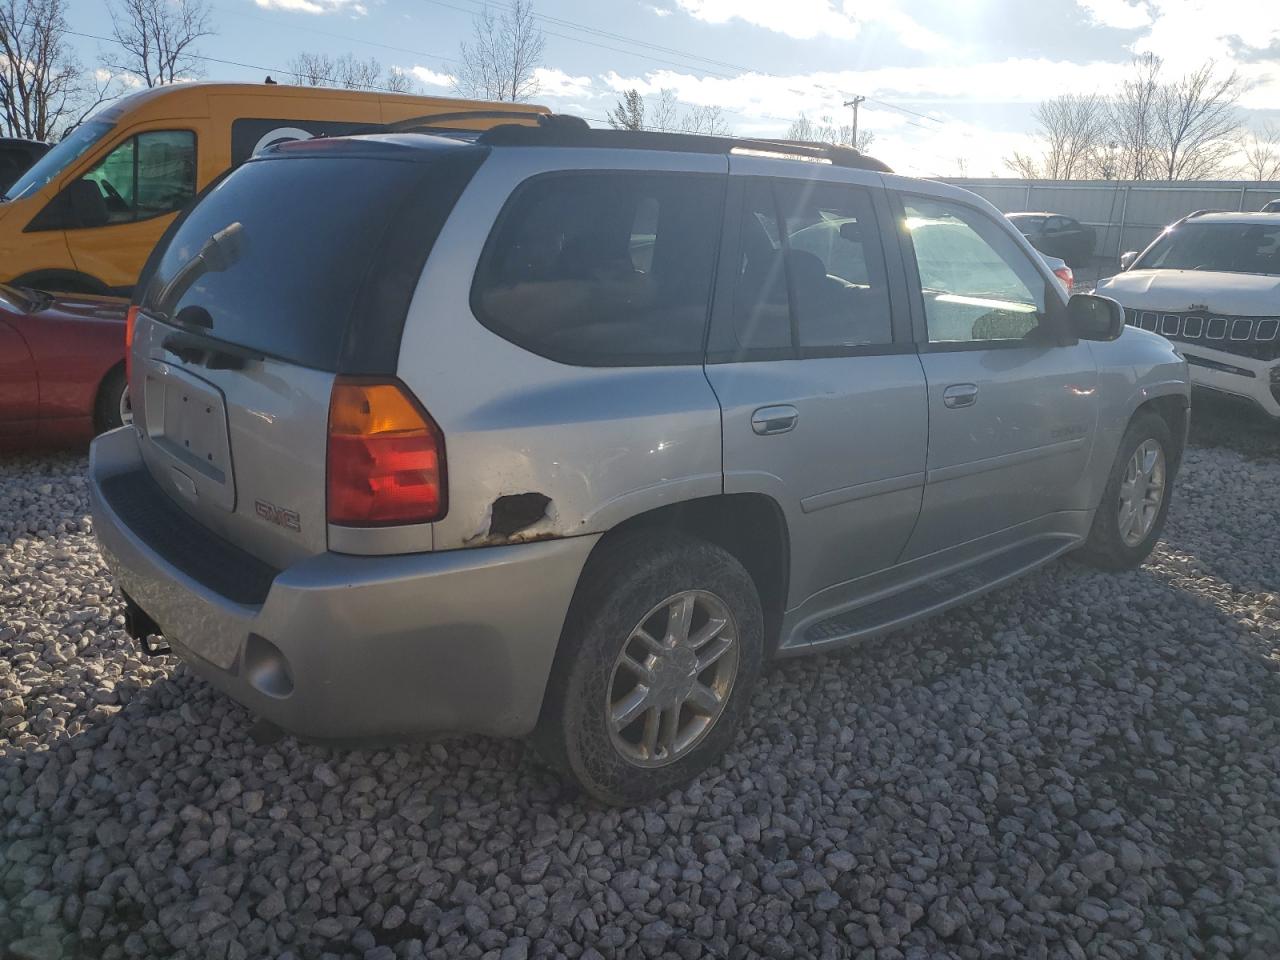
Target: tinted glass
pixel 1027 224
pixel 604 269
pixel 976 281
pixel 761 309
pixel 296 238
pixel 148 175
pixel 836 266
pixel 70 149
pixel 1227 247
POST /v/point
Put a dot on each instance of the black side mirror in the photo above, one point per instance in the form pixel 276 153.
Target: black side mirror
pixel 78 205
pixel 1127 258
pixel 851 230
pixel 1092 317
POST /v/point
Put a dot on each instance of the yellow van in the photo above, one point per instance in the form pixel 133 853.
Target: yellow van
pixel 85 216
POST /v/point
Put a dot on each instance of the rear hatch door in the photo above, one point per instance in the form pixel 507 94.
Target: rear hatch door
pixel 297 268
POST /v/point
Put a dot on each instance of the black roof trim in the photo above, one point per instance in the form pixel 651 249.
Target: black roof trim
pixel 558 130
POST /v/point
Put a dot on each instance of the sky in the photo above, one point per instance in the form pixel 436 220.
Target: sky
pixel 951 85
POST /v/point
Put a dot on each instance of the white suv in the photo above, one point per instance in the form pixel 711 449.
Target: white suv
pixel 1211 284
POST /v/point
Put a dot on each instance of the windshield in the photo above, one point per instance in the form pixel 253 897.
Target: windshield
pixel 59 158
pixel 1225 247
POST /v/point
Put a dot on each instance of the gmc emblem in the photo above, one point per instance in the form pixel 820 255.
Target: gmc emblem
pixel 280 516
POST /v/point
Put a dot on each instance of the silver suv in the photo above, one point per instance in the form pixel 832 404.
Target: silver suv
pixel 564 432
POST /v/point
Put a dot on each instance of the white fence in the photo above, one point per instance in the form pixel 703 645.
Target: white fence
pixel 1126 215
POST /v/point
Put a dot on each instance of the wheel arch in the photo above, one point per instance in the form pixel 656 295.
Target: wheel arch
pixel 1175 410
pixel 100 391
pixel 751 526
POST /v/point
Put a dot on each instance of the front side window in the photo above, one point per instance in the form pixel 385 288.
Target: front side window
pixel 977 283
pixel 146 176
pixel 1224 247
pixel 604 269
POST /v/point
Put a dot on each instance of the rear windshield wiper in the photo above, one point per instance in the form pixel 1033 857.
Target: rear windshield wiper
pixel 216 254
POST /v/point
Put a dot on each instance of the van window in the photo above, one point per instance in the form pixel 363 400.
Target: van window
pixel 147 176
pixel 604 269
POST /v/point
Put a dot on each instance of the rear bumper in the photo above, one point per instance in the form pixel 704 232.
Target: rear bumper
pixel 1244 377
pixel 348 647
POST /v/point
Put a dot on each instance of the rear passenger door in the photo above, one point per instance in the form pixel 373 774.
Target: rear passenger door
pixel 810 355
pixel 1012 398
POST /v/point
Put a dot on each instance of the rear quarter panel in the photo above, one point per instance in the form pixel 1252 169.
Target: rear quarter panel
pixel 600 444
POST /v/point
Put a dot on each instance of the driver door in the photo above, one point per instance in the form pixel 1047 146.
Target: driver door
pixel 144 181
pixel 1012 402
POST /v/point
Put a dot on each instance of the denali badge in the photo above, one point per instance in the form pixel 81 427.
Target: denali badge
pixel 278 515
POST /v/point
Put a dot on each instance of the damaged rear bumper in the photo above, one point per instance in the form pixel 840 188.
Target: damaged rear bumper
pixel 344 646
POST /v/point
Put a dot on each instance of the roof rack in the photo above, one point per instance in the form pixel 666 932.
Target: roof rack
pixel 563 130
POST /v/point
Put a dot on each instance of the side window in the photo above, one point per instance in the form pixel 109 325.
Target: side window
pixel 836 265
pixel 976 282
pixel 604 268
pixel 148 175
pixel 1058 225
pixel 761 309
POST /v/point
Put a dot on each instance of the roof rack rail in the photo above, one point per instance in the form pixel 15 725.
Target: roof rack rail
pixel 564 130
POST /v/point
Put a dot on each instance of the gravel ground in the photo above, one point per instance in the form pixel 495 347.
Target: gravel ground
pixel 1082 765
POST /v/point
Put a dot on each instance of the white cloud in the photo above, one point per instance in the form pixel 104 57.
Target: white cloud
pixel 431 78
pixel 356 7
pixel 807 19
pixel 660 11
pixel 1122 14
pixel 801 19
pixel 556 83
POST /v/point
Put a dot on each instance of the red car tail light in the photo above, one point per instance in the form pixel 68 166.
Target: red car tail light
pixel 385 459
pixel 1068 278
pixel 130 321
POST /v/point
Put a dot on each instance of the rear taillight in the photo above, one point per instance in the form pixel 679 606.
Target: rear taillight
pixel 386 457
pixel 130 321
pixel 1066 276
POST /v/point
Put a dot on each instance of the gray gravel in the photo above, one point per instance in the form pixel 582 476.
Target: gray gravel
pixel 1082 765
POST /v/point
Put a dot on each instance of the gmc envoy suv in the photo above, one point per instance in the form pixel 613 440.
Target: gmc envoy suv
pixel 563 432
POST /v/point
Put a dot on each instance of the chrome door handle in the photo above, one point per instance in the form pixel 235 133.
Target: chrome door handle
pixel 770 420
pixel 960 395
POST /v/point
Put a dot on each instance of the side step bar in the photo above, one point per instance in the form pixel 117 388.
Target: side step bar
pixel 932 596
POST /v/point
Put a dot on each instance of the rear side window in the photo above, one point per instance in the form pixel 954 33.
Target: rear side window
pixel 604 269
pixel 284 256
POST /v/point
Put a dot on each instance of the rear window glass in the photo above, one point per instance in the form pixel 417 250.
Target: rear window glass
pixel 604 268
pixel 294 241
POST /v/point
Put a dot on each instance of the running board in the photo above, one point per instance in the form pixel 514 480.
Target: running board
pixel 934 595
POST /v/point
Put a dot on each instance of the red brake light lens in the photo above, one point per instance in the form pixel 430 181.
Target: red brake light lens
pixel 130 321
pixel 385 459
pixel 1066 276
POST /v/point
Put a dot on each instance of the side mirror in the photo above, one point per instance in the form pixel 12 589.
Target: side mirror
pixel 78 205
pixel 851 230
pixel 1127 258
pixel 1092 317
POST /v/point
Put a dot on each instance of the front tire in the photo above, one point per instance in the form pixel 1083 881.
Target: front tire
pixel 1135 503
pixel 657 661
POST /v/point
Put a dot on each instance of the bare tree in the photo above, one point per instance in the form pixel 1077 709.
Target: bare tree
pixel 666 112
pixel 157 39
pixel 1261 152
pixel 1185 129
pixel 1198 124
pixel 502 58
pixel 628 112
pixel 348 72
pixel 707 120
pixel 43 90
pixel 825 130
pixel 1074 128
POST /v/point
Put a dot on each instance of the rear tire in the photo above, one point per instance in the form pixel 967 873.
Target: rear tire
pixel 111 409
pixel 610 666
pixel 1127 524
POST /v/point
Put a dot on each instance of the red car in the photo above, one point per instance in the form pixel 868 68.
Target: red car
pixel 61 367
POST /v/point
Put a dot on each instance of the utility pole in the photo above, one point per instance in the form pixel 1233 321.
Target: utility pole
pixel 853 140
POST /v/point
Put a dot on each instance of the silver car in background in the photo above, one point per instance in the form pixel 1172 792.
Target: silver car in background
pixel 564 432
